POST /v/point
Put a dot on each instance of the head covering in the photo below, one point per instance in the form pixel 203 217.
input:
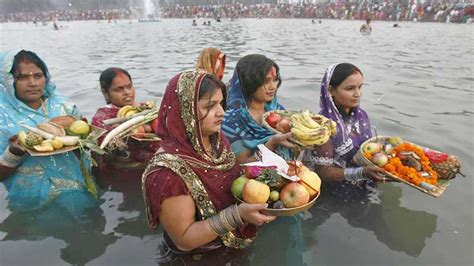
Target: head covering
pixel 240 128
pixel 351 130
pixel 207 177
pixel 43 179
pixel 211 61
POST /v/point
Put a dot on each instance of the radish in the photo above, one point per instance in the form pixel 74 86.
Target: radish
pixel 123 127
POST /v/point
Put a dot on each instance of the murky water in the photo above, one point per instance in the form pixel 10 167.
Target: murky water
pixel 419 85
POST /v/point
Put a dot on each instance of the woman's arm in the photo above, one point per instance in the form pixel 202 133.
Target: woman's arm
pixel 11 158
pixel 334 173
pixel 177 217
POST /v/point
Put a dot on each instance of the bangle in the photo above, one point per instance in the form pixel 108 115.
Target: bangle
pixel 236 214
pixel 9 159
pixel 354 174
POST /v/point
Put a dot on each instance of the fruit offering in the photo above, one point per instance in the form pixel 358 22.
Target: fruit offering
pixel 57 134
pixel 141 132
pixel 265 185
pixel 405 162
pixel 308 129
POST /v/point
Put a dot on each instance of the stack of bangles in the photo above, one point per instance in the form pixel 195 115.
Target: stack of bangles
pixel 9 159
pixel 226 220
pixel 354 174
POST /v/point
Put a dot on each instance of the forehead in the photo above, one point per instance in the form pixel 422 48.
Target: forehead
pixel 355 78
pixel 25 67
pixel 121 79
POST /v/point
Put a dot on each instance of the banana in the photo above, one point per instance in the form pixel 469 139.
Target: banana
pixel 308 120
pixel 123 110
pixel 129 113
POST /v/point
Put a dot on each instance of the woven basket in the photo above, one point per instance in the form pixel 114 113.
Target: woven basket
pixel 284 113
pixel 288 211
pixel 360 160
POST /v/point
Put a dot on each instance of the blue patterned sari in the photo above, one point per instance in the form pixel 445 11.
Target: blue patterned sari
pixel 40 181
pixel 240 128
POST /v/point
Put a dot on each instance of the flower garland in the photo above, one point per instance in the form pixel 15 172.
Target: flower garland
pixel 410 174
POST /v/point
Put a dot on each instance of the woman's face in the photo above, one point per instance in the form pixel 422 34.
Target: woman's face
pixel 267 91
pixel 347 94
pixel 29 84
pixel 210 107
pixel 121 91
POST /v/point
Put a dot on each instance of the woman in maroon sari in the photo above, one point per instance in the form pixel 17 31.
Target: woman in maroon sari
pixel 117 88
pixel 186 186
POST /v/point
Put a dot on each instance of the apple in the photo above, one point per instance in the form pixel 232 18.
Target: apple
pixel 293 195
pixel 273 119
pixel 154 125
pixel 238 186
pixel 274 195
pixel 372 148
pixel 311 181
pixel 138 131
pixel 284 125
pixel 380 159
pixel 255 192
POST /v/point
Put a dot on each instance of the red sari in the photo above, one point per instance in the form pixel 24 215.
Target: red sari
pixel 183 167
pixel 128 164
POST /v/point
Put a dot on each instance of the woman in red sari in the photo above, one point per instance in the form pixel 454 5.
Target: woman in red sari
pixel 117 88
pixel 186 186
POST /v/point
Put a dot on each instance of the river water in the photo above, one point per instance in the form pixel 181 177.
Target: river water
pixel 419 86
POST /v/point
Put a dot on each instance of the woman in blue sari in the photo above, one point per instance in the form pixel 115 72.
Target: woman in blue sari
pixel 28 96
pixel 252 92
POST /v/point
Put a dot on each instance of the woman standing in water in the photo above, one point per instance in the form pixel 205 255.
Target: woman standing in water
pixel 252 92
pixel 341 91
pixel 211 61
pixel 29 96
pixel 187 184
pixel 130 162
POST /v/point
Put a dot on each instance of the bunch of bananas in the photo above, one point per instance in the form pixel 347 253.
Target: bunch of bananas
pixel 312 129
pixel 127 111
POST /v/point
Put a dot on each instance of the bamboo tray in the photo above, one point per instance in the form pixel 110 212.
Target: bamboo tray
pixel 360 160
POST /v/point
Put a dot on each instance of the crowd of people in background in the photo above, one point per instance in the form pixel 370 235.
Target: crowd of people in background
pixel 440 11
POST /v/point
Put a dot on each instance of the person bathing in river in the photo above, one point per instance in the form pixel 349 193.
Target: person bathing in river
pixel 186 186
pixel 130 161
pixel 252 92
pixel 341 91
pixel 29 96
pixel 366 27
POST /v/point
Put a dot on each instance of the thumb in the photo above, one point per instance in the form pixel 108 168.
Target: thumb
pixel 259 206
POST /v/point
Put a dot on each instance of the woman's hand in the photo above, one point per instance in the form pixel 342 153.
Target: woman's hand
pixel 16 148
pixel 374 172
pixel 280 139
pixel 250 213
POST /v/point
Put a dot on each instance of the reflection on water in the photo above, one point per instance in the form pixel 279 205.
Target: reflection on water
pixel 418 85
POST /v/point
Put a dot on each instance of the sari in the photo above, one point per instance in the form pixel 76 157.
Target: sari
pixel 128 164
pixel 240 128
pixel 38 181
pixel 182 166
pixel 211 61
pixel 352 130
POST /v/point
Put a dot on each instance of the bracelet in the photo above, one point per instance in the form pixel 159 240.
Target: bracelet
pixel 9 159
pixel 354 174
pixel 236 215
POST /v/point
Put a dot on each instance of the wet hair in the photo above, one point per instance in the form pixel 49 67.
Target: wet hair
pixel 341 72
pixel 209 85
pixel 368 20
pixel 108 75
pixel 30 57
pixel 253 70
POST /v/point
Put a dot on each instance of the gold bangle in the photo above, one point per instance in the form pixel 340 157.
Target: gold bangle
pixel 224 221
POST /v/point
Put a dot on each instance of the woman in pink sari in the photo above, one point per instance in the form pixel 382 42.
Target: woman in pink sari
pixel 118 91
